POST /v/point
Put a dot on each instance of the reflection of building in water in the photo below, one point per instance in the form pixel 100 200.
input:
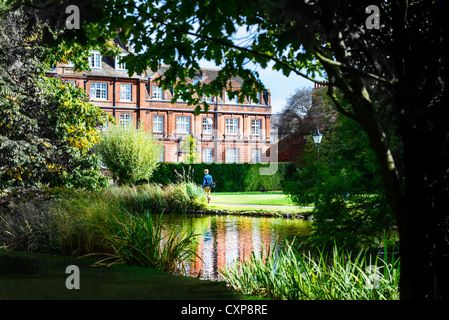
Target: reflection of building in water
pixel 226 240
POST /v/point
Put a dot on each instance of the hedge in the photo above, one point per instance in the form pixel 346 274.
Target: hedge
pixel 228 177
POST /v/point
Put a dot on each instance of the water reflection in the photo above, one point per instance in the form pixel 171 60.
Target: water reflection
pixel 224 239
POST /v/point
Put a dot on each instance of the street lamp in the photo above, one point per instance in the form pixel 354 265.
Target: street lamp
pixel 317 136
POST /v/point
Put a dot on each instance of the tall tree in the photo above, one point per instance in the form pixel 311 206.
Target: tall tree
pixel 305 111
pixel 47 127
pixel 405 54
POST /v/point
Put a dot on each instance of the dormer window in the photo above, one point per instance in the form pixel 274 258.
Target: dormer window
pixel 119 65
pixel 157 92
pixel 95 59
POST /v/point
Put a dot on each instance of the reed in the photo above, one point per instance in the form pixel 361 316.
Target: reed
pixel 142 240
pixel 294 275
pixel 119 225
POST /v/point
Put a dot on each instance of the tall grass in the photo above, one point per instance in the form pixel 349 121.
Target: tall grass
pixel 294 275
pixel 119 224
pixel 142 240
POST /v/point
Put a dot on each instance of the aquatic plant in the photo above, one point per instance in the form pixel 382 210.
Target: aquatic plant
pixel 295 275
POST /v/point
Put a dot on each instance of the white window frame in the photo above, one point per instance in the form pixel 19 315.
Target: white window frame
pixel 98 87
pixel 125 92
pixel 156 92
pixel 158 123
pixel 126 120
pixel 182 124
pixel 256 125
pixel 256 155
pixel 95 60
pixel 208 125
pixel 235 100
pixel 121 66
pixel 232 155
pixel 232 126
pixel 207 98
pixel 208 155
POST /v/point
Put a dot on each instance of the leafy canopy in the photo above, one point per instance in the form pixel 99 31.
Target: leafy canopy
pixel 47 127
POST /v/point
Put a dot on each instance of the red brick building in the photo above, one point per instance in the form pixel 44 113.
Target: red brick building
pixel 229 132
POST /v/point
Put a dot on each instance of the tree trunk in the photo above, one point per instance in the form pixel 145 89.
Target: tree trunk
pixel 423 222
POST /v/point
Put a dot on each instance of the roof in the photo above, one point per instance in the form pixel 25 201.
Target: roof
pixel 210 73
pixel 108 70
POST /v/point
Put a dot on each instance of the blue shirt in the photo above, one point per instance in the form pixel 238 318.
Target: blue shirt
pixel 207 180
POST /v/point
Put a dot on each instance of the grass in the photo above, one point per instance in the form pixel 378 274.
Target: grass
pixel 252 201
pixel 25 275
pixel 115 223
pixel 275 198
pixel 294 275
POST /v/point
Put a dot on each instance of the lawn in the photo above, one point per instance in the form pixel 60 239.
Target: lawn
pixel 25 275
pixel 274 198
pixel 253 201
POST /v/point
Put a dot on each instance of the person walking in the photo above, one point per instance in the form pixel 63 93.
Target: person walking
pixel 207 184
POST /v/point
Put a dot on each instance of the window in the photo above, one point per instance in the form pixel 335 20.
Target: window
pixel 255 127
pixel 207 125
pixel 256 155
pixel 161 156
pixel 157 92
pixel 208 155
pixel 207 98
pixel 72 82
pixel 253 100
pixel 232 126
pixel 232 155
pixel 125 92
pixel 95 60
pixel 265 97
pixel 182 124
pixel 158 123
pixel 125 120
pixel 98 90
pixel 120 65
pixel 233 100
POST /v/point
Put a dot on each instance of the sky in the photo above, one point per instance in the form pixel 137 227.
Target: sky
pixel 282 87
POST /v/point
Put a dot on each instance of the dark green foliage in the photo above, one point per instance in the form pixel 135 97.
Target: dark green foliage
pixel 229 177
pixel 47 128
pixel 351 209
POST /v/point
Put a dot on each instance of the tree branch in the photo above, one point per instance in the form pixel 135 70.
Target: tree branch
pixel 229 44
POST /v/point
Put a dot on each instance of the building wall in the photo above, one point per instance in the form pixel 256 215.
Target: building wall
pixel 143 107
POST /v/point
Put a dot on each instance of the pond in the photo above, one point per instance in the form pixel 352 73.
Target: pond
pixel 223 239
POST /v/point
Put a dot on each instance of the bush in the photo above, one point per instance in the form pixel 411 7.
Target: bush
pixel 130 154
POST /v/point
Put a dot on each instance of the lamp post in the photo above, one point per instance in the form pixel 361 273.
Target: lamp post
pixel 317 136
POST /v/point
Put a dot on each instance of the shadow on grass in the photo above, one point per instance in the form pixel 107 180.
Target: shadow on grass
pixel 25 275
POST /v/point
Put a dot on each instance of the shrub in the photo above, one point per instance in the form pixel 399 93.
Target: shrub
pixel 130 154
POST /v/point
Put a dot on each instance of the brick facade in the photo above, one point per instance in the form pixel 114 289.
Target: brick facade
pixel 177 120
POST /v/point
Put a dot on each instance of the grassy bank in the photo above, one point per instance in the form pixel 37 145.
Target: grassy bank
pixel 119 224
pixel 25 275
